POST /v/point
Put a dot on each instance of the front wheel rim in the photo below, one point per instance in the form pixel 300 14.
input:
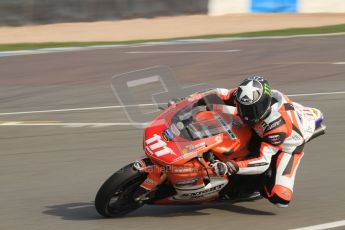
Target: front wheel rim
pixel 122 200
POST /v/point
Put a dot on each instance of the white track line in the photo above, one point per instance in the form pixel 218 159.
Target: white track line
pixel 75 109
pixel 162 43
pixel 140 105
pixel 311 63
pixel 181 51
pixel 323 226
pixel 71 125
pixel 315 94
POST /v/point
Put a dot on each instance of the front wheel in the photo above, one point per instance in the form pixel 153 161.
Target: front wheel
pixel 115 197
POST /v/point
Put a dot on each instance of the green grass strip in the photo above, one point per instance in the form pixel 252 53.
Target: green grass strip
pixel 284 32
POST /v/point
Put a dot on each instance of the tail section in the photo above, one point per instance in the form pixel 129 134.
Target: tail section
pixel 320 128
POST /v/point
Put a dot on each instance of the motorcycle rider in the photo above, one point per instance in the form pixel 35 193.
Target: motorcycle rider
pixel 283 129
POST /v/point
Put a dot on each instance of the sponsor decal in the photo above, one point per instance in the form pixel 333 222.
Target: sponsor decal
pixel 267 90
pixel 150 181
pixel 258 164
pixel 201 194
pixel 316 112
pixel 236 124
pixel 188 182
pixel 192 147
pixel 275 139
pixel 274 124
pixel 184 151
pixel 167 135
pixel 183 169
pixel 139 165
pixel 156 146
pixel 229 132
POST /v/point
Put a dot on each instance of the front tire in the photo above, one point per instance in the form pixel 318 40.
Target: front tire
pixel 115 197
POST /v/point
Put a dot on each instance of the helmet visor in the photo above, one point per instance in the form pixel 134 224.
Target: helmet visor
pixel 255 112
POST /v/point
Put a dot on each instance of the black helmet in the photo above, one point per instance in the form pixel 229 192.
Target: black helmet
pixel 253 99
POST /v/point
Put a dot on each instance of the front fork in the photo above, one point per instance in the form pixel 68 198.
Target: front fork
pixel 155 176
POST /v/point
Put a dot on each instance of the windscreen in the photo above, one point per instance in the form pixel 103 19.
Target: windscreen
pixel 185 122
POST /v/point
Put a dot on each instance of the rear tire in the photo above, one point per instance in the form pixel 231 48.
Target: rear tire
pixel 115 197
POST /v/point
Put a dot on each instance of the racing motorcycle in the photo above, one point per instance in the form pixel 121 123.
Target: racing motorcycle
pixel 180 145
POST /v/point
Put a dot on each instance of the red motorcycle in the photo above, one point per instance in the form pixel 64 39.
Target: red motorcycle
pixel 180 145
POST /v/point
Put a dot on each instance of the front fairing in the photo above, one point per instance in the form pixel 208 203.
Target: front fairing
pixel 184 131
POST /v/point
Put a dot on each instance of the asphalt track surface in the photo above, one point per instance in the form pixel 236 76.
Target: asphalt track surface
pixel 49 175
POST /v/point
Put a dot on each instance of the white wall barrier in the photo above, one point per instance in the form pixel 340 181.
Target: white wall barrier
pixel 321 6
pixel 221 7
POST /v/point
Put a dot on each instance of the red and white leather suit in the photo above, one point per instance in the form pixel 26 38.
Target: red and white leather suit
pixel 283 134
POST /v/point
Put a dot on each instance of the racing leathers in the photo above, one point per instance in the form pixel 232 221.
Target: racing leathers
pixel 282 136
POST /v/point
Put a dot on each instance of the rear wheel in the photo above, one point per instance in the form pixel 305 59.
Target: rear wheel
pixel 242 188
pixel 115 197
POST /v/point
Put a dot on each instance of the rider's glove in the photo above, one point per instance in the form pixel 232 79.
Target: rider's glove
pixel 232 167
pixel 219 168
pixel 223 168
